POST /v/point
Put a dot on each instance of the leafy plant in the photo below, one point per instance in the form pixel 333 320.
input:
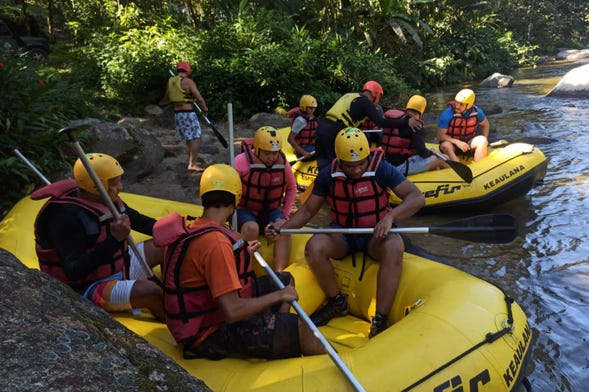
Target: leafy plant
pixel 34 106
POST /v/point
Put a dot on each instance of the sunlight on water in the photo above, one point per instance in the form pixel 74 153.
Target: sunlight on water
pixel 546 268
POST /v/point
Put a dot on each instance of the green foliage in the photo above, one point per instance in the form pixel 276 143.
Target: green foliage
pixel 261 54
pixel 546 25
pixel 262 66
pixel 36 103
pixel 260 61
pixel 467 45
pixel 129 64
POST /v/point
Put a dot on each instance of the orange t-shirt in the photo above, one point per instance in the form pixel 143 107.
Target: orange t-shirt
pixel 209 260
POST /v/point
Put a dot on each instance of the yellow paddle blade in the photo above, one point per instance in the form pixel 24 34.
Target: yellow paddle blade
pixel 307 193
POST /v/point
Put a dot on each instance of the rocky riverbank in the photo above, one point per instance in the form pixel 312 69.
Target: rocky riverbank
pixel 170 179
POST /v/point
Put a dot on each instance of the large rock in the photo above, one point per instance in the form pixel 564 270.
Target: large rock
pixel 574 84
pixel 572 54
pixel 54 340
pixel 138 151
pixel 135 147
pixel 497 80
pixel 273 120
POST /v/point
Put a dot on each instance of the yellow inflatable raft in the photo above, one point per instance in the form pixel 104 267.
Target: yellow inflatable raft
pixel 449 331
pixel 507 173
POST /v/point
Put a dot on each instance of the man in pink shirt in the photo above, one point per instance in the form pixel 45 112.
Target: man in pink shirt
pixel 269 190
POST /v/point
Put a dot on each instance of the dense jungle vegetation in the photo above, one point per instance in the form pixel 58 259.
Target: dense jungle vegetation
pixel 110 57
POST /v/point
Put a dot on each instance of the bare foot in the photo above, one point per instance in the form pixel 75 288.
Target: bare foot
pixel 195 168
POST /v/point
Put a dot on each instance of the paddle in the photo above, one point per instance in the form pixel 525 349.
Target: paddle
pixel 307 193
pixel 328 348
pixel 491 229
pixel 209 123
pixel 301 158
pixel 460 168
pixel 103 194
pixel 33 168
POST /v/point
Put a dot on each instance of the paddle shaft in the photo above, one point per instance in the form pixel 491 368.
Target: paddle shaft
pixel 104 195
pixel 399 230
pixel 491 228
pixel 30 164
pixel 231 152
pixel 220 137
pixel 343 230
pixel 300 158
pixel 330 350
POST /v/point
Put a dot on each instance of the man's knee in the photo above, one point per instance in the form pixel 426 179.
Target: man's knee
pixel 314 250
pixel 146 289
pixel 250 230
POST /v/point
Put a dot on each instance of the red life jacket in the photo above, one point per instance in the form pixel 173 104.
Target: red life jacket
pixel 361 203
pixel 460 127
pixel 392 142
pixel 368 124
pixel 190 309
pixel 307 135
pixel 65 192
pixel 263 188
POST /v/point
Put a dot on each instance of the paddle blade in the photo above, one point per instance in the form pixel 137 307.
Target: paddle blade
pixel 307 193
pixel 461 169
pixel 491 229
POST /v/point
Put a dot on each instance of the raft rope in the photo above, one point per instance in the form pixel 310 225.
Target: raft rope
pixel 489 338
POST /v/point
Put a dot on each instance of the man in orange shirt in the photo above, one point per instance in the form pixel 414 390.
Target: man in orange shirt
pixel 214 304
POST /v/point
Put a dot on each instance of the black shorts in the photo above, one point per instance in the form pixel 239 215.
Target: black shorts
pixel 270 334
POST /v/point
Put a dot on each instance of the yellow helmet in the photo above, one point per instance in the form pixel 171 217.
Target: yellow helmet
pixel 465 96
pixel 351 145
pixel 105 167
pixel 221 177
pixel 417 103
pixel 267 139
pixel 307 101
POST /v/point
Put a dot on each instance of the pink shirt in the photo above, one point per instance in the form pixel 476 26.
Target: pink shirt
pixel 242 166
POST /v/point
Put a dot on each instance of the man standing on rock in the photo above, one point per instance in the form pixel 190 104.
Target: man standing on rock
pixel 182 93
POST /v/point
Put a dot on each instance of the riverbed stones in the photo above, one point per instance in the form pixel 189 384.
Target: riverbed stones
pixel 497 80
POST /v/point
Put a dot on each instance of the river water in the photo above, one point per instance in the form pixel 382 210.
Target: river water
pixel 546 269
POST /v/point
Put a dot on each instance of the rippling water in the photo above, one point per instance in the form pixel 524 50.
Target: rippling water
pixel 546 269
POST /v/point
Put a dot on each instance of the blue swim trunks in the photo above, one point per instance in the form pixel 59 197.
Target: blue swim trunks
pixel 187 125
pixel 244 215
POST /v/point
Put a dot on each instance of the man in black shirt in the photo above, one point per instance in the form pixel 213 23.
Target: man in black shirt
pixel 406 148
pixel 350 111
pixel 79 242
